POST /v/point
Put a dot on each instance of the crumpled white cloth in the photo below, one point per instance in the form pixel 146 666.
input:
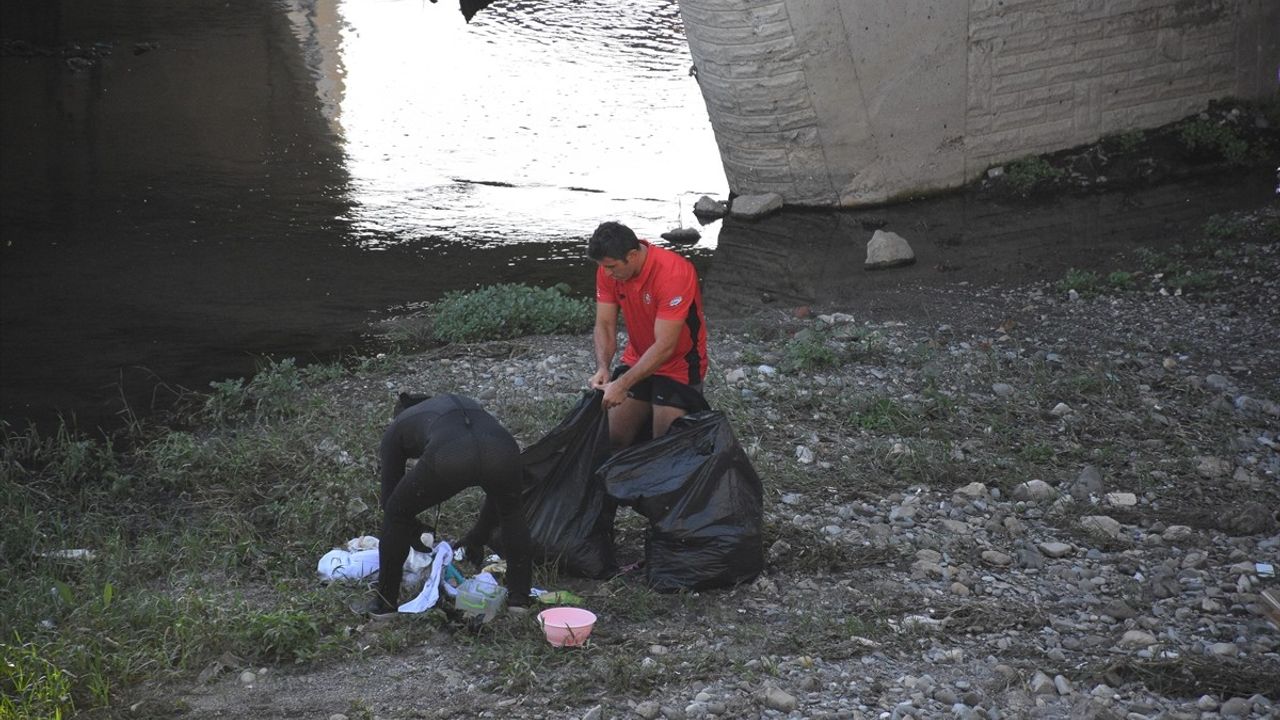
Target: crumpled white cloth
pixel 430 594
pixel 358 559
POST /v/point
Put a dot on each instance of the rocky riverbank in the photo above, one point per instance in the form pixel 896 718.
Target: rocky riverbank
pixel 1057 500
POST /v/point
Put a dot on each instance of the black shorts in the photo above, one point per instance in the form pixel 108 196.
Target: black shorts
pixel 662 390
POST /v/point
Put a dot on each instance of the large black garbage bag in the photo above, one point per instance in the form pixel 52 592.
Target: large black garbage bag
pixel 703 499
pixel 570 517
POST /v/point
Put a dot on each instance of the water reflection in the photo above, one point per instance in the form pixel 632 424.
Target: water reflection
pixel 533 122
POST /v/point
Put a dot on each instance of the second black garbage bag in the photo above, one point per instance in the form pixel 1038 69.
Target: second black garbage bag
pixel 703 499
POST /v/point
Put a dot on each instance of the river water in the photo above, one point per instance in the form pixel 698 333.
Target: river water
pixel 189 188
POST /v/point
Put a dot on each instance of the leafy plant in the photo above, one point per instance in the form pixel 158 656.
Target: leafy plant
pixel 499 312
pixel 1124 142
pixel 1025 174
pixel 808 351
pixel 1206 136
pixel 1121 280
pixel 1084 282
pixel 1221 227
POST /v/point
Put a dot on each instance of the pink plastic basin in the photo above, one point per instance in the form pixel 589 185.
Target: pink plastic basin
pixel 567 626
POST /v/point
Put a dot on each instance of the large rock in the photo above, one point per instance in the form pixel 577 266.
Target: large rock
pixel 755 206
pixel 886 250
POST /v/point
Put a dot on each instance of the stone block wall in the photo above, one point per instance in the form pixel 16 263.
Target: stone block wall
pixel 851 102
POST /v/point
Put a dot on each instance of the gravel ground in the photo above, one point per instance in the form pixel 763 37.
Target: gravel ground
pixel 1052 502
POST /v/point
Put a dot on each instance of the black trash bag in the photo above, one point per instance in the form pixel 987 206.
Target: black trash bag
pixel 570 517
pixel 704 502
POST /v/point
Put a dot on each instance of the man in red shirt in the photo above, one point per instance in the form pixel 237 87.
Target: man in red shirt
pixel 666 355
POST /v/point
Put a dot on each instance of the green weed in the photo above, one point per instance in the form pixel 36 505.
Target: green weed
pixel 500 312
pixel 1221 227
pixel 1124 142
pixel 1085 282
pixel 808 351
pixel 1121 280
pixel 31 686
pixel 1208 137
pixel 1027 174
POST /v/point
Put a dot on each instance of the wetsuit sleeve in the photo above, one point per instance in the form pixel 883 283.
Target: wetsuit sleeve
pixel 675 291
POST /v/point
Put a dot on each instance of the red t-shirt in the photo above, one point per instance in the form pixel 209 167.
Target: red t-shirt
pixel 666 288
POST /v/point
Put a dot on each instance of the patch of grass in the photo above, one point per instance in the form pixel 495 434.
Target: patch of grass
pixel 1223 227
pixel 1121 280
pixel 31 686
pixel 1027 174
pixel 808 351
pixel 1192 280
pixel 886 415
pixel 1206 137
pixel 501 312
pixel 1085 282
pixel 1124 142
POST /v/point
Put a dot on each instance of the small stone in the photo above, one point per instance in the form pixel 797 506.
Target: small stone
pixel 1055 549
pixel 973 490
pixel 1101 525
pixel 593 714
pixel 1042 684
pixel 1062 685
pixel 804 455
pixel 648 710
pixel 1137 639
pixel 1121 499
pixel 1223 649
pixel 997 558
pixel 247 677
pixel 1060 410
pixel 1207 703
pixel 1034 491
pixel 1236 707
pixel 777 699
pixel 1002 389
pixel 1213 467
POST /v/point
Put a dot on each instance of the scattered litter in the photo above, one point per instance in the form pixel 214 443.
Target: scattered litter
pixel 1266 570
pixel 559 597
pixel 70 554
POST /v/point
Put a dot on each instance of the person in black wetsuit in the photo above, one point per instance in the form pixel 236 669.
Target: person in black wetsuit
pixel 458 445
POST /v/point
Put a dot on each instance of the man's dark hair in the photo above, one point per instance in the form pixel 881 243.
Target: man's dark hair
pixel 612 240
